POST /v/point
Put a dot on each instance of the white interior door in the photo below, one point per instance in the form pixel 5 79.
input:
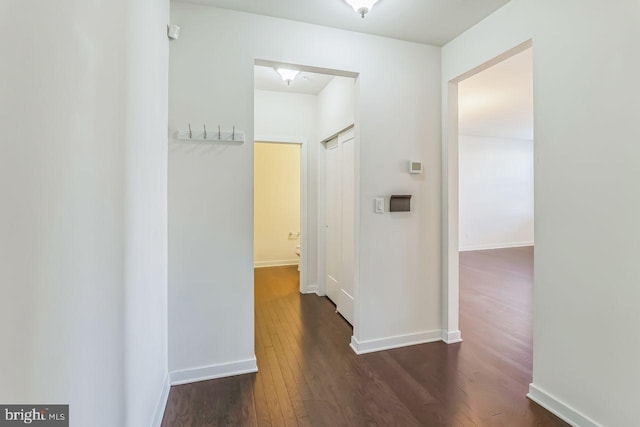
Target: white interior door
pixel 340 227
pixel 345 302
pixel 334 220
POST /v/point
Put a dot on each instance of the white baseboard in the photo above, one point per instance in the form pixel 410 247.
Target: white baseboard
pixel 451 337
pixel 559 408
pixel 277 263
pixel 494 246
pixel 311 289
pixel 211 372
pixel 394 342
pixel 162 402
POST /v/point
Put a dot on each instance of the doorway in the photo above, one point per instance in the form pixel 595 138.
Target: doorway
pixel 277 204
pixel 309 107
pixel 495 156
pixel 453 190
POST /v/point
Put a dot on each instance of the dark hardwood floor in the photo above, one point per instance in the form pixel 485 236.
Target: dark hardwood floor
pixel 310 377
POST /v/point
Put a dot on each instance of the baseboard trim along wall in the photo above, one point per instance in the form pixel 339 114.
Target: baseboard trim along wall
pixel 451 337
pixel 211 372
pixel 162 402
pixel 494 246
pixel 278 263
pixel 559 408
pixel 364 347
pixel 311 289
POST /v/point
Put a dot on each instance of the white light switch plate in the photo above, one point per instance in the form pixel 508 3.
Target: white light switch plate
pixel 379 204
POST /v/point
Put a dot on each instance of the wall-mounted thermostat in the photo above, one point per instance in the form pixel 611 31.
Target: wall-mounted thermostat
pixel 415 167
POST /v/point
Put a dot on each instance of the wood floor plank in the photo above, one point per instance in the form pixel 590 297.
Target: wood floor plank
pixel 310 377
pixel 289 377
pixel 263 419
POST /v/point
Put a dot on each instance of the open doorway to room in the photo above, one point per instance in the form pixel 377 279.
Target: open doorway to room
pixel 277 204
pixel 495 150
pixel 304 203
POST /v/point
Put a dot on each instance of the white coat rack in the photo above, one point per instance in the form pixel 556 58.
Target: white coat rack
pixel 206 135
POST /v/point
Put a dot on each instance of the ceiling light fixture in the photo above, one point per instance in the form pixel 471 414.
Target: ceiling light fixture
pixel 362 7
pixel 287 75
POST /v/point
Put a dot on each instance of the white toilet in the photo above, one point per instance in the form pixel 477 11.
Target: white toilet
pixel 298 253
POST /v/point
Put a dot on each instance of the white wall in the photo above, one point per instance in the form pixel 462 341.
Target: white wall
pixel 285 114
pixel 277 203
pixel 336 107
pixel 82 162
pixel 211 243
pixel 496 192
pixel 585 295
pixel 146 177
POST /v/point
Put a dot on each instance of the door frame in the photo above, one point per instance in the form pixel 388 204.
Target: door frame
pixel 324 225
pixel 322 220
pixel 303 142
pixel 450 200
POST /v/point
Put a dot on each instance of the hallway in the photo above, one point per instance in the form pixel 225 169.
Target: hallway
pixel 310 377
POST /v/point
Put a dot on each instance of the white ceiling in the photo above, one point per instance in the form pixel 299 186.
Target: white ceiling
pixel 498 102
pixel 433 22
pixel 266 78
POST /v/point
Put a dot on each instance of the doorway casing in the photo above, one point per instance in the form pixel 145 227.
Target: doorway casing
pixel 450 200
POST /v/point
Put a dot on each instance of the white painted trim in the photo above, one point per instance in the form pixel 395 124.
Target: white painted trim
pixel 322 219
pixel 278 263
pixel 162 402
pixel 451 337
pixel 495 246
pixel 559 408
pixel 357 306
pixel 311 289
pixel 394 342
pixel 346 305
pixel 450 240
pixel 211 372
pixel 281 139
pixel 303 141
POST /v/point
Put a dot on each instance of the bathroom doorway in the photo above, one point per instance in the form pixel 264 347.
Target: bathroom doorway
pixel 277 204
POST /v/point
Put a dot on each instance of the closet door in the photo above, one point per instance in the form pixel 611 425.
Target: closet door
pixel 345 303
pixel 334 219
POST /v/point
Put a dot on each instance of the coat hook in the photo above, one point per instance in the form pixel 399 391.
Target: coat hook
pixel 205 131
pixel 233 136
pixel 219 134
pixel 190 134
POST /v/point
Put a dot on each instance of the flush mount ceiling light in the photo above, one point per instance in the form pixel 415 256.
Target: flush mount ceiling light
pixel 362 7
pixel 287 75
